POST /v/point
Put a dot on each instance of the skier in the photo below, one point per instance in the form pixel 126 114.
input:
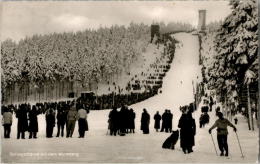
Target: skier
pixel 157 118
pixel 82 116
pixel 145 121
pixel 7 121
pixel 71 120
pixel 222 133
pixel 33 122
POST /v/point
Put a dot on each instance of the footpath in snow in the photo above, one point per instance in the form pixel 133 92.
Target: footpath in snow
pixel 97 146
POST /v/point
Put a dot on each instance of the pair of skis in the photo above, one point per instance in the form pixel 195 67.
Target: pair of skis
pixel 242 155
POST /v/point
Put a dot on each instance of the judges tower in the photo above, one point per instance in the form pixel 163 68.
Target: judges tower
pixel 202 20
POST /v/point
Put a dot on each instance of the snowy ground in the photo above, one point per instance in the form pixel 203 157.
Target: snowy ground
pixel 138 148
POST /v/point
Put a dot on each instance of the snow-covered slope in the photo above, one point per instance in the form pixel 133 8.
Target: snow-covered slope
pixel 135 148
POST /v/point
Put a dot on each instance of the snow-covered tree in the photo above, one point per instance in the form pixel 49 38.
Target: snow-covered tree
pixel 81 56
pixel 236 44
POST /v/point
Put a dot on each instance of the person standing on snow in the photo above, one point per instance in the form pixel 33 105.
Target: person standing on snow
pixel 61 121
pixel 211 103
pixel 22 123
pixel 82 117
pixel 145 121
pixel 50 122
pixel 187 127
pixel 33 122
pixel 222 133
pixel 132 121
pixel 164 121
pixel 71 120
pixel 113 121
pixel 157 119
pixel 7 121
pixel 123 120
pixel 170 116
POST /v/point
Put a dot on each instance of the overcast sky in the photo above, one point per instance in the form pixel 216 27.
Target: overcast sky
pixel 25 18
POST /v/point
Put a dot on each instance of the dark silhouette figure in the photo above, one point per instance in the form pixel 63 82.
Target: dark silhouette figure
pixel 61 121
pixel 204 119
pixel 204 109
pixel 145 121
pixel 123 115
pixel 157 119
pixel 132 121
pixel 222 133
pixel 217 110
pixel 128 119
pixel 235 119
pixel 187 132
pixel 113 121
pixel 33 122
pixel 211 103
pixel 164 121
pixel 22 125
pixel 169 121
pixel 50 122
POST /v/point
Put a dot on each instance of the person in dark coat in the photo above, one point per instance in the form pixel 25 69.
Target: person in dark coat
pixel 235 119
pixel 50 122
pixel 113 121
pixel 33 122
pixel 204 109
pixel 61 121
pixel 192 107
pixel 164 121
pixel 187 132
pixel 128 119
pixel 145 121
pixel 157 119
pixel 22 124
pixel 132 121
pixel 204 119
pixel 123 120
pixel 169 121
pixel 217 110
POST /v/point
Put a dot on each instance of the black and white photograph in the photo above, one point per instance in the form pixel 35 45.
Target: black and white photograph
pixel 129 81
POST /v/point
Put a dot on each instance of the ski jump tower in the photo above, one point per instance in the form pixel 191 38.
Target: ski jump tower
pixel 202 21
pixel 155 30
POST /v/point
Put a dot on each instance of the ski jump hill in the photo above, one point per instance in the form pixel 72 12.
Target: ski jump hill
pixel 97 146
